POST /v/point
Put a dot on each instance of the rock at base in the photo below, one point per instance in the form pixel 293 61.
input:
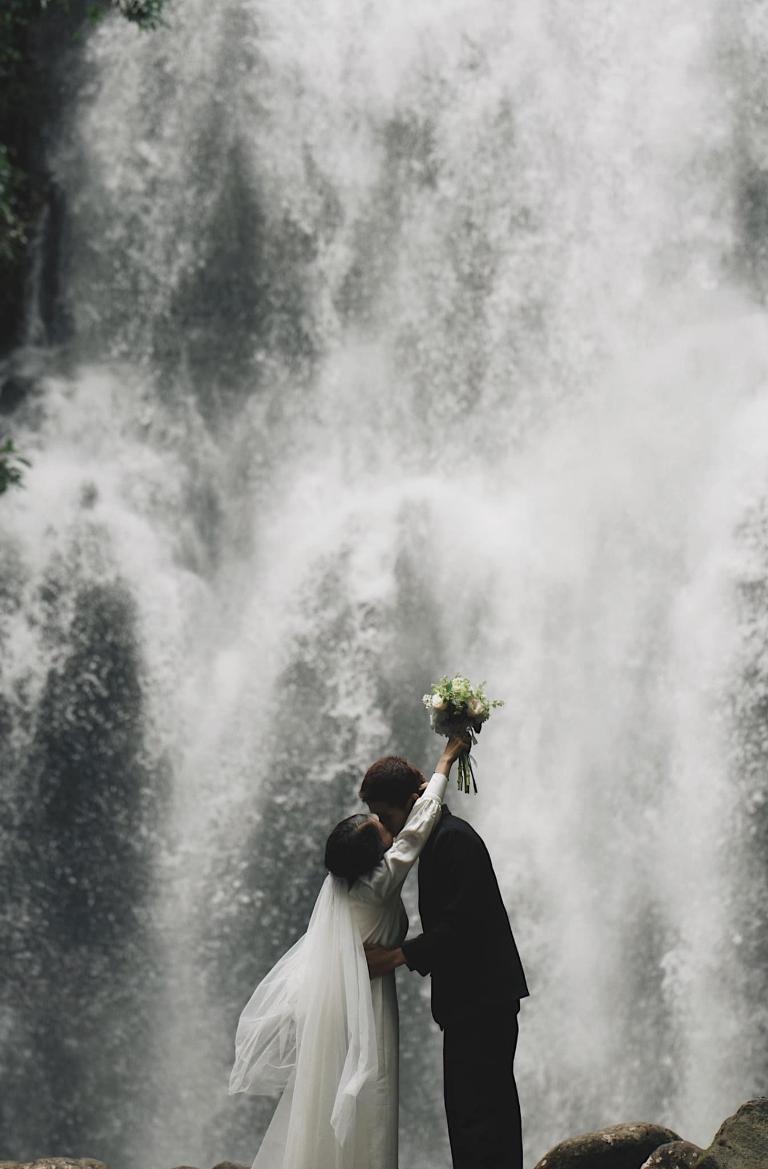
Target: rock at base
pixel 622 1146
pixel 221 1165
pixel 741 1142
pixel 55 1163
pixel 675 1155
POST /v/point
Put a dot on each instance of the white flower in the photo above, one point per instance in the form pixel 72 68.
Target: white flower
pixel 438 702
pixel 475 708
pixel 458 681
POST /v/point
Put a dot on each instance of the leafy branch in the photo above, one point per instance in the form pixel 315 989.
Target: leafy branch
pixel 11 466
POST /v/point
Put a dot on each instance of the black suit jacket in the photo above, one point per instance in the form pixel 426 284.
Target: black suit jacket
pixel 467 944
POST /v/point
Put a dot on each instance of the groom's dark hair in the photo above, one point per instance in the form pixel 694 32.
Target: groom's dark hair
pixel 354 848
pixel 391 780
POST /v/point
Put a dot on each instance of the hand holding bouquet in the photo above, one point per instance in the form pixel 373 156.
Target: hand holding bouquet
pixel 456 708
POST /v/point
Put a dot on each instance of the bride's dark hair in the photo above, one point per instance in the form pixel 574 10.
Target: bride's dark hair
pixel 354 848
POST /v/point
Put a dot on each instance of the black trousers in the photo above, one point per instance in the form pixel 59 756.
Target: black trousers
pixel 481 1101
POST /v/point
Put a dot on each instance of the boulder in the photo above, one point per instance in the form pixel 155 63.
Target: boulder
pixel 741 1142
pixel 221 1165
pixel 622 1146
pixel 675 1155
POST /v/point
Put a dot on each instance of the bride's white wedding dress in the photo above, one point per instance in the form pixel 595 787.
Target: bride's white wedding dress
pixel 321 1031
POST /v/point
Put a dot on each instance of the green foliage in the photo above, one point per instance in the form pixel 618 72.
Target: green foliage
pixel 17 16
pixel 457 698
pixel 145 13
pixel 11 464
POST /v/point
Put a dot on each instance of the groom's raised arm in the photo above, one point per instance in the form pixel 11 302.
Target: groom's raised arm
pixel 398 860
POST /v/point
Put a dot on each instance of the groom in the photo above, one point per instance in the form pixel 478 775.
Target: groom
pixel 477 977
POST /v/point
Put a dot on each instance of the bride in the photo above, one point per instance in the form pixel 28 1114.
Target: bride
pixel 316 1028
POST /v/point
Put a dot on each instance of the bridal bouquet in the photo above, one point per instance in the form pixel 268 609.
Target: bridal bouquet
pixel 455 708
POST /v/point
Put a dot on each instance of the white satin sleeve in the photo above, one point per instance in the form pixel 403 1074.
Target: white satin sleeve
pixel 390 873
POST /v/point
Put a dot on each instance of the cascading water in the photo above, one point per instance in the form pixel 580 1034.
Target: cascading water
pixel 392 339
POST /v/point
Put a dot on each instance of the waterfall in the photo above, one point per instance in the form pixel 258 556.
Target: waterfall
pixel 388 341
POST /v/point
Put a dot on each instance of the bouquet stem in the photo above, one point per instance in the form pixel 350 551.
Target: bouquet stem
pixel 466 770
pixel 466 774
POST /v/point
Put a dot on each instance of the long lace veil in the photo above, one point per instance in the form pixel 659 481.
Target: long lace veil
pixel 308 1030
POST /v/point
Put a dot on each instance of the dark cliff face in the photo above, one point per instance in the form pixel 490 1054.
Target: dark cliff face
pixel 38 49
pixel 78 868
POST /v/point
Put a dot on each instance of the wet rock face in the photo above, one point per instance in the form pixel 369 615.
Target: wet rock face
pixel 741 1142
pixel 78 868
pixel 675 1155
pixel 54 1163
pixel 87 1163
pixel 622 1146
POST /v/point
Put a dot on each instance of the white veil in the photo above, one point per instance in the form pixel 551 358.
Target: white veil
pixel 308 1029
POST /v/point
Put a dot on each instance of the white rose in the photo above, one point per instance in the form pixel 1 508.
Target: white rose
pixel 438 702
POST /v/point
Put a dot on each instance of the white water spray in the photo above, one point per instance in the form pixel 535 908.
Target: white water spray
pixel 406 339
